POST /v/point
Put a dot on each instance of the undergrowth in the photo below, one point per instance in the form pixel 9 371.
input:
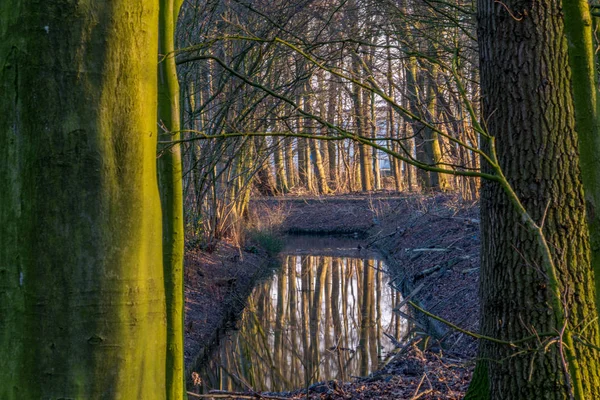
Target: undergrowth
pixel 269 241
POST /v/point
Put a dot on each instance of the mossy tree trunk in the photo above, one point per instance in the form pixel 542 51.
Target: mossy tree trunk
pixel 171 194
pixel 82 305
pixel 528 108
pixel 578 29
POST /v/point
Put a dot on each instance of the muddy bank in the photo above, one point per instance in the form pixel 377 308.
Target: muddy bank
pixel 217 285
pixel 432 248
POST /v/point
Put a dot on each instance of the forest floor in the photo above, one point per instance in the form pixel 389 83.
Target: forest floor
pixel 431 244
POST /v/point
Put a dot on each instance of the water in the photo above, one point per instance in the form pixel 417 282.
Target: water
pixel 321 317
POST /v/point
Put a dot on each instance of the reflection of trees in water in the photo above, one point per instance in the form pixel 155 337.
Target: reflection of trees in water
pixel 320 318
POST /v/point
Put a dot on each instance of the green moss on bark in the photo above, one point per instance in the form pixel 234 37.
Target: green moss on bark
pixel 578 30
pixel 82 306
pixel 170 182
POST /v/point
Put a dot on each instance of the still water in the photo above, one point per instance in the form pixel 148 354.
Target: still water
pixel 322 316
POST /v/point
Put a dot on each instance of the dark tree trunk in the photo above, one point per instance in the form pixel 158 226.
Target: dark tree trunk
pixel 528 108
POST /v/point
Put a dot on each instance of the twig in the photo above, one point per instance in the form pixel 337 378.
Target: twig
pixel 418 388
pixel 425 392
pixel 395 341
pixel 513 343
pixel 431 249
pixel 409 297
pixel 428 271
pixel 383 237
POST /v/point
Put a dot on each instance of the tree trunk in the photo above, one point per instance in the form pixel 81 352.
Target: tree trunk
pixel 578 29
pixel 303 158
pixel 319 169
pixel 265 181
pixel 412 88
pixel 438 181
pixel 528 108
pixel 376 172
pixel 280 176
pixel 171 195
pixel 332 101
pixel 361 130
pixel 395 164
pixel 290 167
pixel 82 302
pixel 315 155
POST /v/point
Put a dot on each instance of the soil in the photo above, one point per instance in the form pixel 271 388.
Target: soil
pixel 431 244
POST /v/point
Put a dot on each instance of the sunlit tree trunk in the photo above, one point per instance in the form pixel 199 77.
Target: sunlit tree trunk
pixel 376 172
pixel 359 103
pixel 319 169
pixel 410 169
pixel 316 158
pixel 303 158
pixel 395 164
pixel 171 194
pixel 362 130
pixel 438 181
pixel 265 181
pixel 290 166
pixel 280 176
pixel 82 302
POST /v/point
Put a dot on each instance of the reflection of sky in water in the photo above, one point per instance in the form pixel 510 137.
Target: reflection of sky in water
pixel 278 345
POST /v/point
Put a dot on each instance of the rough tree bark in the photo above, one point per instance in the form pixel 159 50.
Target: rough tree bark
pixel 528 108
